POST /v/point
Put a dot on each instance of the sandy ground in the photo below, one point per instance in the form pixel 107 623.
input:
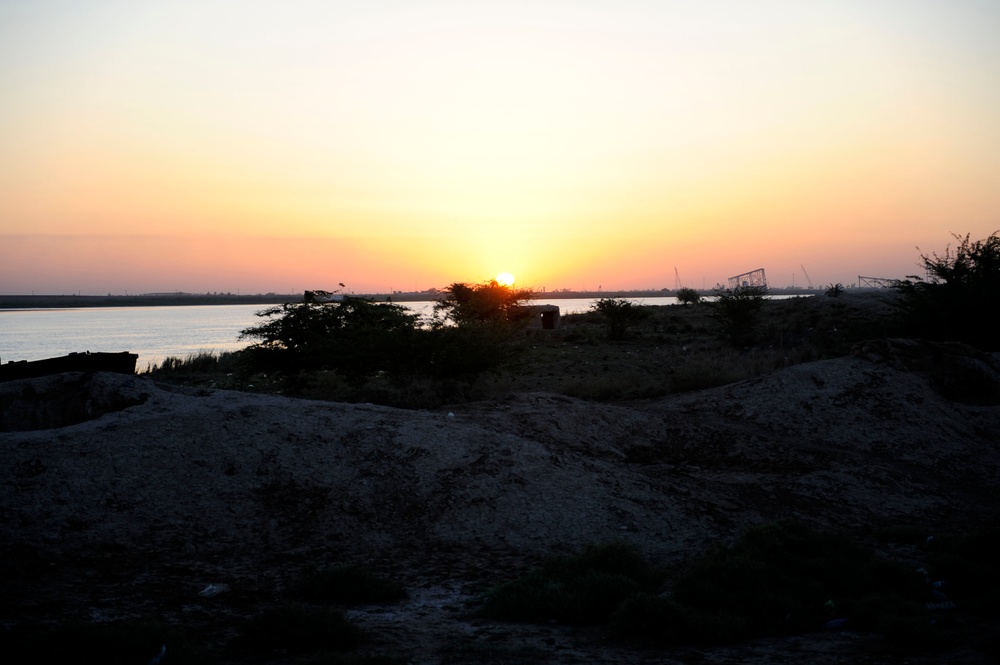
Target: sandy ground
pixel 124 498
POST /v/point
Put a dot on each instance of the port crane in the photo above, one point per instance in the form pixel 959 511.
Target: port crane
pixel 807 276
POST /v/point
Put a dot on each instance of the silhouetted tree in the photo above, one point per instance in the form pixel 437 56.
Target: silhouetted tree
pixel 688 296
pixel 960 296
pixel 353 335
pixel 619 315
pixel 359 338
pixel 738 312
pixel 489 303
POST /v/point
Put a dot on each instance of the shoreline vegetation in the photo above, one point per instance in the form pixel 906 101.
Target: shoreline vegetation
pixel 673 349
pixel 365 351
pixel 71 301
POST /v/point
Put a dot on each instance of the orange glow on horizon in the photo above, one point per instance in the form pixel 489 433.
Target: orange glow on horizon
pixel 401 147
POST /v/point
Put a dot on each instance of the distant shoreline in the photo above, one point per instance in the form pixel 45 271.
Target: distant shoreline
pixel 184 299
pixel 166 300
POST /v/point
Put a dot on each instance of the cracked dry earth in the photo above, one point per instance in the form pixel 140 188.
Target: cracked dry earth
pixel 126 498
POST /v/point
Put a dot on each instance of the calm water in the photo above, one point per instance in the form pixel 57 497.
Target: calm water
pixel 156 333
pixel 152 332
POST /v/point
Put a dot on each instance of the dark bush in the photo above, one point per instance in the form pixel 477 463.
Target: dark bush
pixel 449 352
pixel 737 311
pixel 360 339
pixel 354 336
pixel 781 579
pixel 619 315
pixel 688 296
pixel 958 299
pixel 786 579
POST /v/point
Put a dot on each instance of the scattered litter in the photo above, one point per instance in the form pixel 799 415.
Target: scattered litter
pixel 213 590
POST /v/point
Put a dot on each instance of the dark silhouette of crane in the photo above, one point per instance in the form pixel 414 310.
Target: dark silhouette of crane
pixel 807 276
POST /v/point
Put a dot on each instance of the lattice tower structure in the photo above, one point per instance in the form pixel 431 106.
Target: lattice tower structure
pixel 752 278
pixel 875 282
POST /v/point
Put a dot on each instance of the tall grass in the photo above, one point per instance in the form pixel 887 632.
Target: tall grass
pixel 202 362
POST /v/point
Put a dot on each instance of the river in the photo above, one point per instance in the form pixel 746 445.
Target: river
pixel 156 333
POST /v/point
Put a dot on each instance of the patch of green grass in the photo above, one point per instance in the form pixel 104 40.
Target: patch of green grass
pixel 298 629
pixel 350 585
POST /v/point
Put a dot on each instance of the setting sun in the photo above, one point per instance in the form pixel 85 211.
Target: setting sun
pixel 196 146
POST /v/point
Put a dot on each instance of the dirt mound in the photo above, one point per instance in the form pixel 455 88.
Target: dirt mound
pixel 59 400
pixel 842 442
pixel 176 488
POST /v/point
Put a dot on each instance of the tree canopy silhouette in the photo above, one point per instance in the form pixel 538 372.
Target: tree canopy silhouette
pixel 489 303
pixel 960 295
pixel 738 312
pixel 352 335
pixel 619 314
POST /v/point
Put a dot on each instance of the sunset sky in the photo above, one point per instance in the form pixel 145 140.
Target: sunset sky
pixel 280 146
